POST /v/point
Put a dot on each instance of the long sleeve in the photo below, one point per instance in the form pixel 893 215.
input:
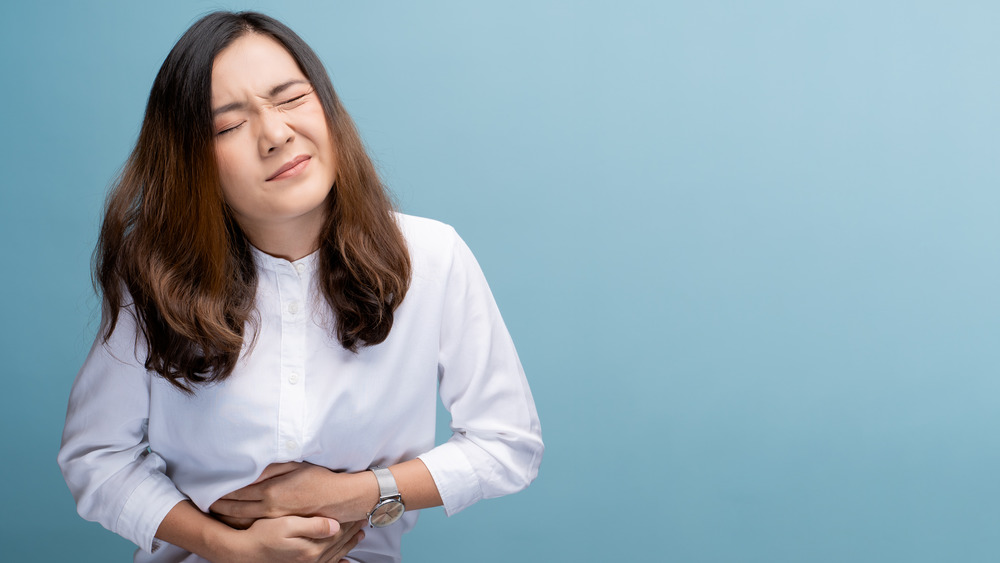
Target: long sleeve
pixel 496 446
pixel 115 479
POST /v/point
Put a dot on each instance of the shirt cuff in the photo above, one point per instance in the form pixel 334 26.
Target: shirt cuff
pixel 145 509
pixel 454 476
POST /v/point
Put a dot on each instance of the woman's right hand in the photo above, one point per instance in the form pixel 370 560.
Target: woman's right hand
pixel 294 539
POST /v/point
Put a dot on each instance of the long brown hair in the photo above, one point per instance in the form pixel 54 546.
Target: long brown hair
pixel 171 251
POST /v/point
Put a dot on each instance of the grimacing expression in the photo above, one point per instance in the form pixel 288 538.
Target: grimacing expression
pixel 275 154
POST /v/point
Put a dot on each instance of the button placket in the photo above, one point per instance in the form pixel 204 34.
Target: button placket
pixel 292 407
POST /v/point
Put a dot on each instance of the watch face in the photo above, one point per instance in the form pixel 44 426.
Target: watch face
pixel 386 513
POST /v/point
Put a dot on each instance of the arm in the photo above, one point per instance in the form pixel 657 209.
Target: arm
pixel 104 457
pixel 267 541
pixel 496 444
pixel 304 489
pixel 120 483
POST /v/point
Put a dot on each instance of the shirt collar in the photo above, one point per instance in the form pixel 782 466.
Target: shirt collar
pixel 267 262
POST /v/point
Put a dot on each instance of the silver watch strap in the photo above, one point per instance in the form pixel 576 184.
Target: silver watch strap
pixel 386 483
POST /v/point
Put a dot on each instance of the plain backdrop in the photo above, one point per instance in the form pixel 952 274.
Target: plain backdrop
pixel 747 250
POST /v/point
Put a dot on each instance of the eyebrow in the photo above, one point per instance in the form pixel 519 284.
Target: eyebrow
pixel 274 92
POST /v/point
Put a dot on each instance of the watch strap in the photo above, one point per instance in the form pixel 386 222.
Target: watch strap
pixel 386 483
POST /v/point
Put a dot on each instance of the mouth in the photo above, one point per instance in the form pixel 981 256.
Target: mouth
pixel 290 168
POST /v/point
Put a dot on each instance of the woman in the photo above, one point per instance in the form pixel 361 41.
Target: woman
pixel 274 334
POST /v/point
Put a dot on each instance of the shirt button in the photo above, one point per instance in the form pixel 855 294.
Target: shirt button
pixel 300 268
pixel 290 445
pixel 293 307
pixel 293 378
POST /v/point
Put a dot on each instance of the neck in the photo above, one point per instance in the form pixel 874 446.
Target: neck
pixel 289 241
pixel 290 250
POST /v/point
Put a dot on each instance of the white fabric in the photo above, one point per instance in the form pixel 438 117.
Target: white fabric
pixel 298 395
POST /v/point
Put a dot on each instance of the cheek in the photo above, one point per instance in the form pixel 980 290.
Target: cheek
pixel 319 132
pixel 229 176
pixel 224 161
pixel 229 167
pixel 332 154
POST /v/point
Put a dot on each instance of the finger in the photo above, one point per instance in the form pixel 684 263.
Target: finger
pixel 250 492
pixel 314 528
pixel 350 545
pixel 338 553
pixel 239 509
pixel 276 469
pixel 347 531
pixel 238 523
pixel 353 527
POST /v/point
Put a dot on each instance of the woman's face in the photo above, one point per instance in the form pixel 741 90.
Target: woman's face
pixel 274 150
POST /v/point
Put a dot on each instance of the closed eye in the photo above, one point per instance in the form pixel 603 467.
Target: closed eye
pixel 291 101
pixel 231 128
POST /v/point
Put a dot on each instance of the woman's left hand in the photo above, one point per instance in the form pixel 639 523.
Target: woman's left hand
pixel 300 489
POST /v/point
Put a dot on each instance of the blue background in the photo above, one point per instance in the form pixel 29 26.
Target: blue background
pixel 748 252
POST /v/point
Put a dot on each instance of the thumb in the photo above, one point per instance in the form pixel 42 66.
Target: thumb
pixel 318 527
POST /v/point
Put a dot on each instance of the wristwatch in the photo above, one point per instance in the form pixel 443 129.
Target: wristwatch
pixel 389 507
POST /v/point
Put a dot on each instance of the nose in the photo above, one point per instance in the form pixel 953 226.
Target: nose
pixel 274 132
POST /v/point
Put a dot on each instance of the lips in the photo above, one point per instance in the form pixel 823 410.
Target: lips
pixel 290 168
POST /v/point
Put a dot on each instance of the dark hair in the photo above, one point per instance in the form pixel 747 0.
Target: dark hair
pixel 170 243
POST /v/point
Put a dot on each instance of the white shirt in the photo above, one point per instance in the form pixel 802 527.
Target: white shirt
pixel 134 446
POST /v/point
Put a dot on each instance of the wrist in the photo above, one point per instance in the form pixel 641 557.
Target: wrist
pixel 224 544
pixel 350 496
pixel 366 494
pixel 191 529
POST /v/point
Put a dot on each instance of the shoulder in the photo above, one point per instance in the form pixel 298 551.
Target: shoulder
pixel 421 232
pixel 428 239
pixel 434 246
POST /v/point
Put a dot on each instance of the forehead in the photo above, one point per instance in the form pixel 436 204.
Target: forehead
pixel 251 66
